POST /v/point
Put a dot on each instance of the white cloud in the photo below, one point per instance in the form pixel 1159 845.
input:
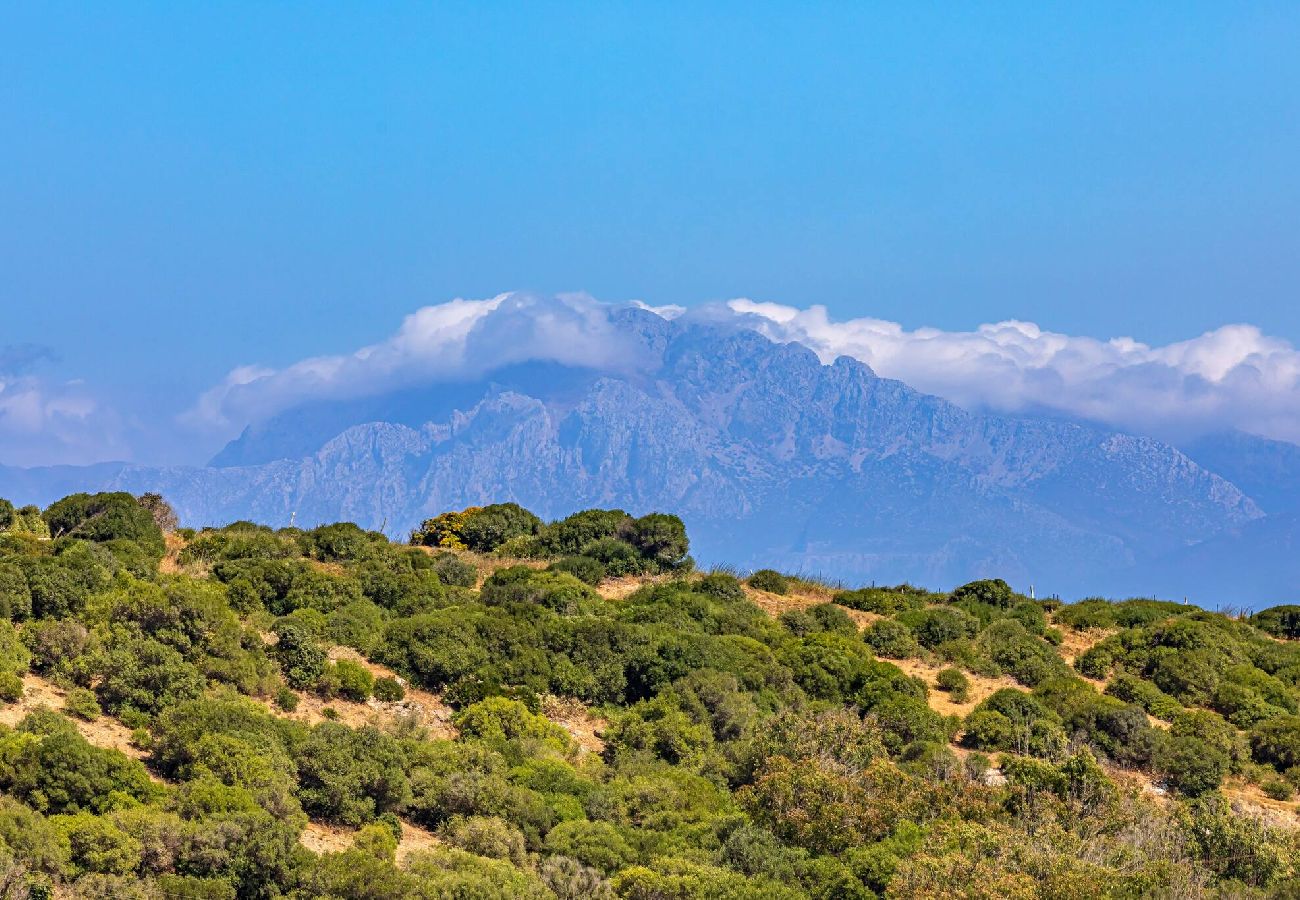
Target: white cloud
pixel 667 311
pixel 458 339
pixel 1232 377
pixel 48 423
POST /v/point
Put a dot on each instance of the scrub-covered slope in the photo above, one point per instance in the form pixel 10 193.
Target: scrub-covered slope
pixel 510 708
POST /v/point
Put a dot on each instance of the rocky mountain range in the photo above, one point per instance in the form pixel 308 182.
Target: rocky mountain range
pixel 770 456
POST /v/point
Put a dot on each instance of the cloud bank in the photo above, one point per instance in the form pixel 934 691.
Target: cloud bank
pixel 457 340
pixel 1232 377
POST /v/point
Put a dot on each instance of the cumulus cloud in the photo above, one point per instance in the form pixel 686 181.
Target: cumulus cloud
pixel 1232 377
pixel 449 341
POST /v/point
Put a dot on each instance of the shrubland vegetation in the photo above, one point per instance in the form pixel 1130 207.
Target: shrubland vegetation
pixel 885 741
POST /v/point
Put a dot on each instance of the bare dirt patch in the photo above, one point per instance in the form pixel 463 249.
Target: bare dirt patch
pixel 320 837
pixel 981 686
pixel 1077 643
pixel 1248 799
pixel 104 731
pixel 575 718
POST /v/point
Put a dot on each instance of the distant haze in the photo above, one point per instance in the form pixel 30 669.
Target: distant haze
pixel 771 455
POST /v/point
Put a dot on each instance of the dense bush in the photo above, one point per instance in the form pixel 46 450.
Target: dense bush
pixel 770 580
pixel 584 568
pixel 1280 621
pixel 104 517
pixel 892 638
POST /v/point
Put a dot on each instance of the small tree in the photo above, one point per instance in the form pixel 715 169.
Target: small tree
pixel 163 514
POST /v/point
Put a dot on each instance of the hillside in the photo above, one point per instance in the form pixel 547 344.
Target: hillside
pixel 511 708
pixel 770 457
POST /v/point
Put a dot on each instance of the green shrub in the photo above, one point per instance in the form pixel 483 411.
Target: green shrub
pixel 616 557
pixel 488 836
pixel 301 659
pixel 354 680
pixel 955 683
pixel 1277 742
pixel 884 601
pixel 1191 765
pixel 990 592
pixel 1026 658
pixel 104 517
pixel 661 540
pixel 938 625
pixel 770 580
pixel 488 527
pixel 1132 689
pixel 340 541
pixel 286 699
pixel 11 687
pixel 82 703
pixel 722 585
pixel 478 528
pixel 454 571
pixel 891 638
pixel 389 690
pixel 584 568
pixel 829 617
pixel 1279 621
pixel 15 595
pixel 1278 789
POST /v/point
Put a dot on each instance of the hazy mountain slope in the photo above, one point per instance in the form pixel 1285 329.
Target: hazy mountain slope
pixel 769 455
pixel 1267 470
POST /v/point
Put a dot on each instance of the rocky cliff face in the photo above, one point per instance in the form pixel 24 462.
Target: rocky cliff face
pixel 772 458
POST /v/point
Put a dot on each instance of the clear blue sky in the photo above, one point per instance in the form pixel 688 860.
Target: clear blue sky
pixel 185 187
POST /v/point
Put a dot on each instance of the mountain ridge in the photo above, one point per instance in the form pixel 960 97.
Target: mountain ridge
pixel 766 451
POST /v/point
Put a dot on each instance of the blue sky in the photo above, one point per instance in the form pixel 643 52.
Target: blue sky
pixel 189 187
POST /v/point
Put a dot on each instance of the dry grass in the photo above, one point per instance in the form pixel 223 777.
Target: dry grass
pixel 621 588
pixel 981 686
pixel 171 565
pixel 319 837
pixel 486 564
pixel 1077 643
pixel 414 839
pixel 1248 799
pixel 419 709
pixel 575 718
pixel 105 731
